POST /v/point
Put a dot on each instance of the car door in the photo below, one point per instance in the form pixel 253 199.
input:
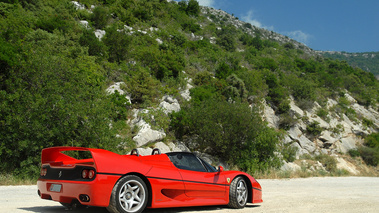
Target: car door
pixel 200 180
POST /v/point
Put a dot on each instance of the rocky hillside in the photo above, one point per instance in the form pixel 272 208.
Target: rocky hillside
pixel 151 73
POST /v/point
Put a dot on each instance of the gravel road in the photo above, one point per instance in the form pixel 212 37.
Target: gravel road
pixel 329 194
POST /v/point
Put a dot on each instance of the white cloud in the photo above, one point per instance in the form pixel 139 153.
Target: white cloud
pixel 249 18
pixel 209 3
pixel 298 35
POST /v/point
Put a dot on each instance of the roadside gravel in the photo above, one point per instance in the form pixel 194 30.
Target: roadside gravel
pixel 328 194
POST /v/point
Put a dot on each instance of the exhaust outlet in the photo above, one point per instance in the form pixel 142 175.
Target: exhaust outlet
pixel 84 198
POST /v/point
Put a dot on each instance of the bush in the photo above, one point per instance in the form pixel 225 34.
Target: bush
pixel 369 155
pixel 144 89
pixel 322 113
pixel 100 17
pixel 236 88
pixel 223 70
pixel 329 162
pixel 314 128
pixel 286 121
pixel 288 152
pixel 368 123
pixel 203 78
pixel 231 132
pixel 354 153
pixel 51 98
pixel 118 44
pixel 191 7
pixel 372 140
pixel 95 47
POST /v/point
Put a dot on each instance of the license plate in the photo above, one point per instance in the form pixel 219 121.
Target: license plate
pixel 55 188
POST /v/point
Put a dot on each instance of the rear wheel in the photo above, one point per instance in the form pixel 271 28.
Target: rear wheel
pixel 129 195
pixel 238 193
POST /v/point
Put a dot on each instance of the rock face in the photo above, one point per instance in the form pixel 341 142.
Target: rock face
pixel 340 133
pixel 169 104
pixel 145 134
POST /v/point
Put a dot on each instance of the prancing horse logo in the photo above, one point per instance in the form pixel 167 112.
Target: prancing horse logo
pixel 228 179
pixel 60 174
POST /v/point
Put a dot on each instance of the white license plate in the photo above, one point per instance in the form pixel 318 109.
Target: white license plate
pixel 55 188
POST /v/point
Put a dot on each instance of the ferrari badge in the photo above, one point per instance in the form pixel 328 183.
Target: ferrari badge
pixel 228 179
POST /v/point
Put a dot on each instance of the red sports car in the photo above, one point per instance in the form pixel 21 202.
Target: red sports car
pixel 130 183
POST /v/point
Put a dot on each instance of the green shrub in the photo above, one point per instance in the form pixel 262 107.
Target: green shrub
pixel 370 155
pixel 288 152
pixel 229 131
pixel 144 89
pixel 119 105
pixel 100 17
pixel 223 70
pixel 368 123
pixel 372 140
pixel 322 113
pixel 354 153
pixel 286 121
pixel 118 44
pixel 95 47
pixel 191 26
pixel 329 162
pixel 191 7
pixel 203 78
pixel 314 128
pixel 236 88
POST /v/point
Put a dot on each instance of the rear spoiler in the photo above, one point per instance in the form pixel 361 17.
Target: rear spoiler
pixel 105 161
pixel 55 155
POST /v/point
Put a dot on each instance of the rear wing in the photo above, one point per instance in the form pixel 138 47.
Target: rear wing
pixel 54 156
pixel 105 161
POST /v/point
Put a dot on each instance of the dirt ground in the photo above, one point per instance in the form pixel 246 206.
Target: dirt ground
pixel 328 194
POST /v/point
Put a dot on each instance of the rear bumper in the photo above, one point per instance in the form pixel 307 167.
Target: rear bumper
pixel 98 191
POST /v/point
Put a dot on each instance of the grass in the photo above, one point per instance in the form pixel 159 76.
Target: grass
pixel 9 179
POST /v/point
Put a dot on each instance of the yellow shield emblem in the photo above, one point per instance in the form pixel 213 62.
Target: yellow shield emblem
pixel 228 179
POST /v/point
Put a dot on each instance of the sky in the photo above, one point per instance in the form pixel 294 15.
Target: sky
pixel 327 25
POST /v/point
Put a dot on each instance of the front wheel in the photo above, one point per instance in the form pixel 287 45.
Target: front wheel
pixel 238 193
pixel 129 195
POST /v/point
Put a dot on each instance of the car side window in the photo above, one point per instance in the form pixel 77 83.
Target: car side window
pixel 187 161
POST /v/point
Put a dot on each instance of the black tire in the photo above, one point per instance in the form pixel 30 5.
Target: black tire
pixel 238 193
pixel 129 195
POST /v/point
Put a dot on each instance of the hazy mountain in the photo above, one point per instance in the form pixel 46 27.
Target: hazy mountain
pixel 368 61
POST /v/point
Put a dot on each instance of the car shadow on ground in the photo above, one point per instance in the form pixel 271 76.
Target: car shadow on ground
pixel 61 209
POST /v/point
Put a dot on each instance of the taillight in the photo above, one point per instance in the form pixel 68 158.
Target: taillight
pixel 43 172
pixel 91 174
pixel 88 173
pixel 85 174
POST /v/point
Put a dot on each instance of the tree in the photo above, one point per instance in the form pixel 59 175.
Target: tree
pixel 230 131
pixel 118 44
pixel 51 98
pixel 193 8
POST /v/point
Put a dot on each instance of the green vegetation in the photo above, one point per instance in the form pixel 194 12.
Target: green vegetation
pixel 54 72
pixel 370 152
pixel 230 131
pixel 367 61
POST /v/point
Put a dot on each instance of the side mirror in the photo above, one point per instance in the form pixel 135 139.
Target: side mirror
pixel 220 169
